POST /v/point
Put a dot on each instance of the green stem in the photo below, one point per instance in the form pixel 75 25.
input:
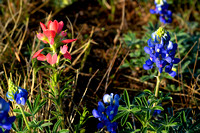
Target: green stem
pixel 22 111
pixel 56 89
pixel 55 85
pixel 157 84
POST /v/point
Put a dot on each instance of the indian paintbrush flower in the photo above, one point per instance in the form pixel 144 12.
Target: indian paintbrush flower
pixel 53 34
pixel 106 114
pixel 162 10
pixel 162 52
pixel 51 59
pixel 64 51
pixel 39 56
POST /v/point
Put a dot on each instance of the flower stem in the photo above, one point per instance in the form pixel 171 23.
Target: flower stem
pixel 22 111
pixel 157 84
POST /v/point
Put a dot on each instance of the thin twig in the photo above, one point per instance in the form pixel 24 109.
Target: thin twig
pixel 84 95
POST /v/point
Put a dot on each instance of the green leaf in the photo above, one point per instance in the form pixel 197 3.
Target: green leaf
pixel 64 131
pixel 148 114
pixel 14 127
pixel 137 130
pixel 144 101
pixel 29 106
pixel 148 92
pixel 55 113
pixel 174 117
pixel 183 120
pixel 49 93
pixel 144 130
pixel 39 107
pixel 35 104
pixel 138 100
pixel 126 98
pixel 57 124
pixel 44 66
pixel 20 114
pixel 62 92
pixel 20 123
pixel 158 108
pixel 135 110
pixel 46 124
pixel 129 125
pixel 119 115
pixel 124 118
pixel 184 66
pixel 144 78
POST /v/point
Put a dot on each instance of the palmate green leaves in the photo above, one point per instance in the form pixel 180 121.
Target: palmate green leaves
pixel 124 112
pixel 131 40
pixel 142 109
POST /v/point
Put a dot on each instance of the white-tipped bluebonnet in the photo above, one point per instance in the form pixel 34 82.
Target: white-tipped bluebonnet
pixel 21 96
pixel 5 120
pixel 156 112
pixel 162 10
pixel 17 94
pixel 106 114
pixel 162 52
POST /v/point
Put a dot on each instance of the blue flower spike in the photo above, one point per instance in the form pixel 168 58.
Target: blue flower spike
pixel 5 120
pixel 162 52
pixel 106 114
pixel 162 10
pixel 21 96
pixel 17 94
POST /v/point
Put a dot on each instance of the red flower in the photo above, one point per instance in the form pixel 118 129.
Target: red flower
pixel 51 59
pixel 42 37
pixel 39 56
pixel 68 40
pixel 65 53
pixel 51 30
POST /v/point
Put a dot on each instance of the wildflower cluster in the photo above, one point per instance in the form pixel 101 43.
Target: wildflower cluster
pixel 162 52
pixel 17 94
pixel 162 10
pixel 54 36
pixel 5 120
pixel 106 114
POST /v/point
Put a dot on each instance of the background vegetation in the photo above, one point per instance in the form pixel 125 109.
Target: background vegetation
pixel 106 58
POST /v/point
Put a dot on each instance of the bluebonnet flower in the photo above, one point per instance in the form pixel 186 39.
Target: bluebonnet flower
pixel 112 109
pixel 21 96
pixel 106 114
pixel 162 52
pixel 156 112
pixel 4 106
pixel 5 120
pixel 162 10
pixel 112 127
pixel 16 93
